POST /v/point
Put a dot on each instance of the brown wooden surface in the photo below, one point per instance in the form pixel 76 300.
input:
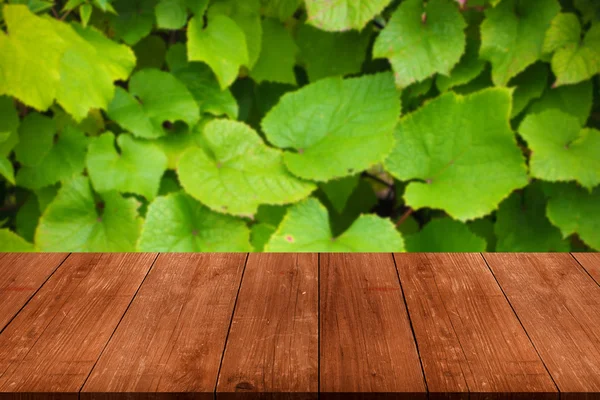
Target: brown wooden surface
pixel 53 343
pixel 288 326
pixel 591 263
pixel 468 335
pixel 273 342
pixel 559 306
pixel 172 338
pixel 21 275
pixel 366 339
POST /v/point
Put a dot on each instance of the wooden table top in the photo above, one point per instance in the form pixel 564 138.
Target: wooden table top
pixel 406 326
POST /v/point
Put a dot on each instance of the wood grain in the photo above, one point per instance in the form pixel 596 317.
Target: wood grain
pixel 272 349
pixel 559 306
pixel 171 340
pixel 366 339
pixel 468 335
pixel 21 275
pixel 591 263
pixel 53 343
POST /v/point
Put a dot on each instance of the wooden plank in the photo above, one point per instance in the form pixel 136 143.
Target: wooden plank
pixel 468 335
pixel 53 343
pixel 591 263
pixel 366 339
pixel 559 306
pixel 272 349
pixel 171 339
pixel 21 275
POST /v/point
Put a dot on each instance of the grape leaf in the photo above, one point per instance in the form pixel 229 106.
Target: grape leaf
pixel 521 224
pixel 202 83
pixel 28 217
pixel 575 210
pixel 282 9
pixel 137 168
pixel 484 227
pixel 468 68
pixel 133 19
pixel 260 235
pixel 7 170
pixel 338 191
pixel 150 52
pixel 345 51
pixel 462 151
pixel 222 45
pixel 512 35
pixel 65 158
pixel 178 140
pixel 238 172
pixel 9 125
pixel 36 136
pixel 421 39
pixel 336 127
pixel 278 55
pixel 197 7
pixel 246 15
pixel 575 60
pixel 54 60
pixel 561 149
pixel 171 14
pixel 306 228
pixel 445 235
pixel 529 85
pixel 75 222
pixel 154 98
pixel 342 15
pixel 178 223
pixel 11 242
pixel 572 99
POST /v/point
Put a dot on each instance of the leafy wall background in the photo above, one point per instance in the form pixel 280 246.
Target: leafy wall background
pixel 291 125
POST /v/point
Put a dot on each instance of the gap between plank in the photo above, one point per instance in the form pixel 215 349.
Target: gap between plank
pixel 117 326
pixel 318 325
pixel 522 326
pixel 237 295
pixel 35 292
pixel 411 324
pixel 584 269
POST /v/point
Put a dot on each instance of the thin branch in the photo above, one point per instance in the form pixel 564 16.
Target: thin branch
pixel 65 15
pixel 404 216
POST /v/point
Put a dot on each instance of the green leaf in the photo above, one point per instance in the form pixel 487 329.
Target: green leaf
pixel 137 168
pixel 178 140
pixel 202 83
pixel 572 99
pixel 529 85
pixel 512 35
pixel 171 14
pixel 349 121
pixel 445 235
pixel 281 9
pixel 484 227
pixel 133 19
pixel 28 217
pixel 154 97
pixel 75 222
pixel 197 7
pixel 11 242
pixel 278 55
pixel 575 210
pixel 564 29
pixel 561 149
pixel 260 235
pixel 306 228
pixel 85 12
pixel 64 159
pixel 7 170
pixel 462 151
pixel 246 14
pixel 577 60
pixel 178 223
pixel 468 68
pixel 422 39
pixel 150 52
pixel 36 137
pixel 237 172
pixel 346 51
pixel 521 224
pixel 9 124
pixel 222 45
pixel 342 15
pixel 338 191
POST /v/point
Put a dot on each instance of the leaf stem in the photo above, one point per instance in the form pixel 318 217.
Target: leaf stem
pixel 405 216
